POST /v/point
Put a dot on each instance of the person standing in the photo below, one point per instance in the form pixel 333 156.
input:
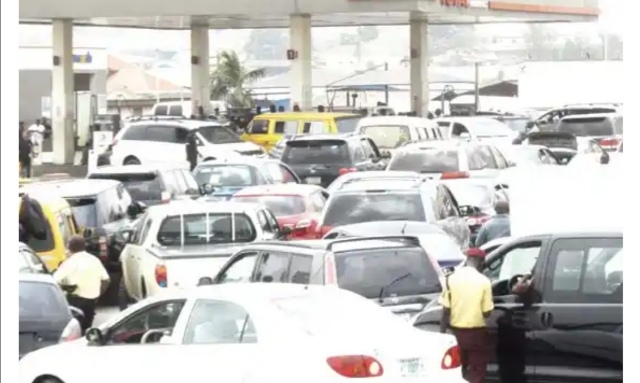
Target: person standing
pixel 24 152
pixel 467 302
pixel 498 226
pixel 296 107
pixel 36 135
pixel 281 109
pixel 86 273
pixel 272 108
pixel 192 149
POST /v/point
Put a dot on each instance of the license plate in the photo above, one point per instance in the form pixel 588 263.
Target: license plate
pixel 314 180
pixel 411 368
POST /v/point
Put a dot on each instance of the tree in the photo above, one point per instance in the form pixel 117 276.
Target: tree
pixel 229 78
pixel 267 44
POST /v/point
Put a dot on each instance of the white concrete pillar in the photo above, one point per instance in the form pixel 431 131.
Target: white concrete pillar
pixel 200 69
pixel 419 67
pixel 62 94
pixel 301 81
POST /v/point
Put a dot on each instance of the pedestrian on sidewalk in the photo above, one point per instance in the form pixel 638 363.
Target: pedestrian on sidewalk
pixel 24 149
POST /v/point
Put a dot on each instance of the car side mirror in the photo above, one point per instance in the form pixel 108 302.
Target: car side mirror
pixel 126 235
pixel 94 336
pixel 207 188
pixel 286 231
pixel 448 270
pixel 88 233
pixel 604 158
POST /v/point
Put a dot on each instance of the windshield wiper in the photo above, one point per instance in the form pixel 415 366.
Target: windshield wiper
pixel 396 280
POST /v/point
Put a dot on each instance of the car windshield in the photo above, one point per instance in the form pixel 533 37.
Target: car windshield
pixel 227 175
pixel 523 155
pixel 198 229
pixel 347 124
pixel 41 301
pixel 517 124
pixel 472 195
pixel 84 211
pixel 387 136
pixel 489 128
pixel 346 209
pixel 141 186
pixel 430 160
pixel 316 152
pixel 216 134
pixel 367 272
pixel 280 206
pixel 585 127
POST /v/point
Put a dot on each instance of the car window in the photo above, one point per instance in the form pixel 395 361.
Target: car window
pixel 281 206
pixel 86 212
pixel 258 127
pixel 229 175
pixel 431 160
pixel 346 209
pixel 519 260
pixel 217 134
pixel 279 127
pixel 449 206
pixel 277 172
pixel 264 223
pixel 300 269
pixel 29 262
pixel 584 127
pixel 272 267
pixel 317 202
pixel 287 128
pixel 273 222
pixel 585 271
pixel 458 129
pixel 423 134
pixel 219 322
pixel 301 152
pixel 161 316
pixel 192 185
pixel 161 110
pixel 477 161
pixel 181 183
pixel 618 125
pixel 136 228
pixel 501 162
pixel 388 136
pixel 347 124
pixel 314 127
pixel 135 133
pixel 140 186
pixel 175 110
pixel 241 270
pixel 64 225
pixel 161 133
pixel 200 229
pixel 145 231
pixel 369 152
pixel 358 153
pixel 487 157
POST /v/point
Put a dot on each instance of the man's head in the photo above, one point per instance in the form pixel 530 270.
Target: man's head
pixel 320 108
pixel 272 108
pixel 38 122
pixel 76 244
pixel 475 258
pixel 501 207
pixel 281 108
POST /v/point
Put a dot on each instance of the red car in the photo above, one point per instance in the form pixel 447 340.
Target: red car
pixel 295 205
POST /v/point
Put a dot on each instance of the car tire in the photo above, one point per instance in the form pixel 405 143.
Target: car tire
pixel 48 379
pixel 123 295
pixel 131 160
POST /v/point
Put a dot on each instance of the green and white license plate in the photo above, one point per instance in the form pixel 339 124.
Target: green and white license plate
pixel 411 368
pixel 314 180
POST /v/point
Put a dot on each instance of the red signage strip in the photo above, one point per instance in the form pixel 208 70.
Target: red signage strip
pixel 455 3
pixel 538 8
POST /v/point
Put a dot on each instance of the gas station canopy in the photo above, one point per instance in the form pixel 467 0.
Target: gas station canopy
pixel 238 14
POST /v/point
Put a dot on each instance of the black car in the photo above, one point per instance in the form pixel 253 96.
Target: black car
pixel 393 271
pixel 45 317
pixel 151 185
pixel 320 159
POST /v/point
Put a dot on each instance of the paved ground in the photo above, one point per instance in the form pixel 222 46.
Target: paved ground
pixel 103 314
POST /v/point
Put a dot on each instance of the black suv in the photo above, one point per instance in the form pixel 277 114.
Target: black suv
pixel 320 159
pixel 393 271
pixel 151 185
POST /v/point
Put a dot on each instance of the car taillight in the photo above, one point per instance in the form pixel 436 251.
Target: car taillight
pixel 451 358
pixel 161 275
pixel 477 220
pixel 609 142
pixel 454 175
pixel 166 197
pixel 72 331
pixel 329 270
pixel 356 366
pixel 347 170
pixel 103 248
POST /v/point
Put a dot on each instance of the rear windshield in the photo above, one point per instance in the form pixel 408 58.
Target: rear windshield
pixel 201 229
pixel 218 134
pixel 518 125
pixel 141 186
pixel 346 209
pixel 84 211
pixel 426 161
pixel 41 301
pixel 367 272
pixel 316 152
pixel 584 127
pixel 489 128
pixel 472 195
pixel 228 175
pixel 347 124
pixel 387 137
pixel 280 206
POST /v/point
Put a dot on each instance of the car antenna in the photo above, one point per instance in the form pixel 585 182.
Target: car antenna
pixel 404 228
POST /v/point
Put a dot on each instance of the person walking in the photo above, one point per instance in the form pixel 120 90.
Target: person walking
pixel 467 301
pixel 24 153
pixel 84 278
pixel 192 150
pixel 498 226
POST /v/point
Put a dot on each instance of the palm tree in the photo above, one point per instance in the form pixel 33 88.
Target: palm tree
pixel 229 79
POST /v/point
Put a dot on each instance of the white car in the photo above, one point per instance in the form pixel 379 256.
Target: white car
pixel 251 333
pixel 450 159
pixel 373 175
pixel 476 129
pixel 391 132
pixel 153 141
pixel 171 244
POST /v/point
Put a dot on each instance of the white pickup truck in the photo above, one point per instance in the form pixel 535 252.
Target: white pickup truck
pixel 171 244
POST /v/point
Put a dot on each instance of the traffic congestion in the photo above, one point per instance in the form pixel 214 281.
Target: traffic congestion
pixel 324 247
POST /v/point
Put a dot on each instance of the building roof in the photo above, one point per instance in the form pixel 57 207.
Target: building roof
pixel 131 81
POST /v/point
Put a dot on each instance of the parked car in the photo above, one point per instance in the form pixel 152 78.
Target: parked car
pixel 565 146
pixel 172 243
pixel 548 121
pixel 374 175
pixel 251 332
pixel 391 132
pixel 484 129
pixel 573 308
pixel 151 185
pixel 29 261
pixel 605 128
pixel 45 317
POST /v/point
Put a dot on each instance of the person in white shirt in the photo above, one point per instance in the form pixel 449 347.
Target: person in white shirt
pixel 36 135
pixel 86 276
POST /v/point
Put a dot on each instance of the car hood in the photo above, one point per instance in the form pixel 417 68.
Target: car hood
pixel 246 148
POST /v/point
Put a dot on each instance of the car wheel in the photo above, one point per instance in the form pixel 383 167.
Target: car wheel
pixel 131 161
pixel 48 379
pixel 123 296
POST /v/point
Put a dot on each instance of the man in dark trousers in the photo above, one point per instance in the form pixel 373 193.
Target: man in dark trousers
pixel 467 301
pixel 84 278
pixel 192 150
pixel 24 149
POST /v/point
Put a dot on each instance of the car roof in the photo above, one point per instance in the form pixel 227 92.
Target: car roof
pixel 186 207
pixel 337 245
pixel 320 137
pixel 441 145
pixel 390 228
pixel 37 277
pixel 178 121
pixel 79 187
pixel 374 174
pixel 239 160
pixel 279 189
pixel 304 115
pixel 608 116
pixel 396 185
pixel 134 169
pixel 409 120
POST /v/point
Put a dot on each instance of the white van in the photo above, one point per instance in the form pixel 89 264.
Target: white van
pixel 180 108
pixel 391 132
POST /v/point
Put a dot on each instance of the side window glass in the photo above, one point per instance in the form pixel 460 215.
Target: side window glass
pixel 422 134
pixel 275 171
pixel 279 127
pixel 449 204
pixel 516 261
pixel 264 223
pixel 441 208
pixel 367 149
pixel 501 162
pixel 219 322
pixel 182 135
pixel 291 128
pixel 137 229
pixel 314 127
pixel 175 110
pixel 132 329
pixel 258 127
pixel 273 222
pixel 170 182
pixel 358 153
pixel 161 110
pixel 300 269
pixel 317 202
pixel 145 231
pixel 289 176
pixel 487 157
pixel 136 133
pixel 65 229
pixel 272 267
pixel 192 184
pixel 180 182
pixel 164 134
pixel 458 129
pixel 476 160
pixel 241 270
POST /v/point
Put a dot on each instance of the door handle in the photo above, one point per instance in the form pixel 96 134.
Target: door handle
pixel 546 319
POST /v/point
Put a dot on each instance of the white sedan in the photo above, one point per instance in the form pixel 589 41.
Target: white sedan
pixel 250 333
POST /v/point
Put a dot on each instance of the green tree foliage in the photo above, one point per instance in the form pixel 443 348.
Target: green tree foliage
pixel 229 79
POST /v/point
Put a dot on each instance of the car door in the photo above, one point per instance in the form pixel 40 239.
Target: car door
pixel 132 257
pixel 511 324
pixel 160 148
pixel 272 266
pixel 239 269
pixel 579 333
